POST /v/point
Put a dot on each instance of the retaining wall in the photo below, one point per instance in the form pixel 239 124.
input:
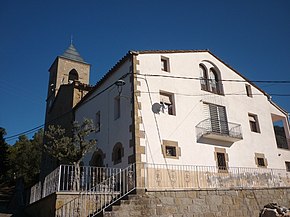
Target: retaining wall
pixel 200 203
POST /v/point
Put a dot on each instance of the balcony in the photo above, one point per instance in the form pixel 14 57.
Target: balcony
pixel 219 130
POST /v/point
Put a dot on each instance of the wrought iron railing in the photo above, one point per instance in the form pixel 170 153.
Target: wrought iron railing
pixel 165 177
pixel 96 199
pixel 219 127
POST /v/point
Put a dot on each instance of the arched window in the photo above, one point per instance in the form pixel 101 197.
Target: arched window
pixel 73 76
pixel 97 169
pixel 118 153
pixel 203 77
pixel 213 81
pixel 210 79
pixel 97 159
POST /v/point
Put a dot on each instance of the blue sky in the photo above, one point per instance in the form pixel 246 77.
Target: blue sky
pixel 252 36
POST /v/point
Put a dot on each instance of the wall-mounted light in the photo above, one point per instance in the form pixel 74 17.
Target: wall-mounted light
pixel 120 83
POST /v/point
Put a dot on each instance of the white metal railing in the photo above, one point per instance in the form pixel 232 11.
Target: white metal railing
pixel 94 200
pixel 68 178
pixel 51 182
pixel 163 177
pixel 35 192
pixel 72 178
pixel 219 127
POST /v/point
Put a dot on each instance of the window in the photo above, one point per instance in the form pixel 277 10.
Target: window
pixel 97 159
pixel 280 129
pixel 222 159
pixel 203 77
pixel 254 124
pixel 73 76
pixel 287 164
pixel 167 103
pixel 218 119
pixel 213 81
pixel 249 90
pixel 118 153
pixel 98 121
pixel 210 78
pixel 165 64
pixel 117 108
pixel 260 160
pixel 170 149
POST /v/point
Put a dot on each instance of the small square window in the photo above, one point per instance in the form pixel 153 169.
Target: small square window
pixel 254 124
pixel 117 107
pixel 261 162
pixel 170 151
pixel 165 64
pixel 287 166
pixel 249 90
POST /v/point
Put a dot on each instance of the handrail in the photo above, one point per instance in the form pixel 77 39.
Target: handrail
pixel 101 196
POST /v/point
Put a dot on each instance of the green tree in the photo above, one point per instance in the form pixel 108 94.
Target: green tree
pixel 70 149
pixel 4 155
pixel 24 158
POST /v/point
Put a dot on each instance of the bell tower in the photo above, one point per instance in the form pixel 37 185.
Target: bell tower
pixel 68 84
pixel 66 69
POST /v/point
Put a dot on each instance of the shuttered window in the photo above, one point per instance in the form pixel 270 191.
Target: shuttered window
pixel 218 119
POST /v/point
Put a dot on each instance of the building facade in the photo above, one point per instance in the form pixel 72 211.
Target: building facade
pixel 179 124
pixel 182 108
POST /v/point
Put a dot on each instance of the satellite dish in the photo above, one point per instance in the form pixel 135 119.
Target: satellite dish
pixel 156 108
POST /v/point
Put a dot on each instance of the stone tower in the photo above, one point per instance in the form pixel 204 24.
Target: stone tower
pixel 65 70
pixel 68 84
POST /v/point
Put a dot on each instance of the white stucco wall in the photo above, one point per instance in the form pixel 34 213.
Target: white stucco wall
pixel 111 131
pixel 189 99
pixel 189 108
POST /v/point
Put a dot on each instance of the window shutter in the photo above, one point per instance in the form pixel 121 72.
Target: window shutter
pixel 165 99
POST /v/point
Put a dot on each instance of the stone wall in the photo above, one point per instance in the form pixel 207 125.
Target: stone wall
pixel 201 203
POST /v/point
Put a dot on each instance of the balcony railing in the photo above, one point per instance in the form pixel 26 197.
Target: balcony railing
pixel 219 130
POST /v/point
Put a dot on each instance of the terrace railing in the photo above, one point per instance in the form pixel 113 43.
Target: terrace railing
pixel 165 177
pixel 97 192
pixel 94 200
pixel 68 178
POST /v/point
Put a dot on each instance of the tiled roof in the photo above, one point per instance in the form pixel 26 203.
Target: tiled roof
pixel 72 54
